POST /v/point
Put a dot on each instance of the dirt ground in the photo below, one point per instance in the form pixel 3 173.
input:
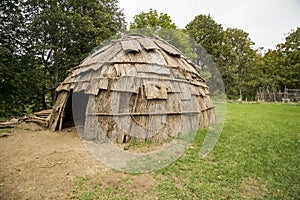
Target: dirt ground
pixel 39 164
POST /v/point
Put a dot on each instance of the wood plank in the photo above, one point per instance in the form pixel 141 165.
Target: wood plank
pixel 154 56
pixel 191 122
pixel 191 105
pixel 38 120
pixel 92 130
pixel 147 43
pixel 9 124
pixel 103 56
pixel 150 68
pixel 120 70
pixel 194 90
pixel 126 84
pixel 202 91
pixel 119 57
pixel 157 122
pixel 174 87
pixel 130 70
pixel 120 104
pixel 6 126
pixel 155 91
pixel 65 87
pixel 153 76
pixel 185 93
pixel 185 65
pixel 59 88
pixel 167 47
pixel 131 46
pixel 103 83
pixel 69 79
pixel 111 71
pixel 72 85
pixel 86 76
pixel 93 87
pixel 80 86
pixel 170 60
pixel 160 78
pixel 139 57
pixel 43 112
pixel 169 83
pixel 57 109
pixel 62 115
pixel 98 51
pixel 196 112
pixel 173 103
pixel 178 74
pixel 181 68
pixel 206 91
pixel 91 67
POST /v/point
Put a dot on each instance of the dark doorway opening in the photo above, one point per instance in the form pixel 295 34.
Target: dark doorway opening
pixel 74 111
pixel 79 103
pixel 68 118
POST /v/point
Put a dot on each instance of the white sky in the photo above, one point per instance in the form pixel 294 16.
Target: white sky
pixel 267 21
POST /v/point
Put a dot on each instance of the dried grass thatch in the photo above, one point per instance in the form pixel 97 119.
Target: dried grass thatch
pixel 137 88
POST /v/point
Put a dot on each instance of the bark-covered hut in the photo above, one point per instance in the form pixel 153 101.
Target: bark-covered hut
pixel 136 88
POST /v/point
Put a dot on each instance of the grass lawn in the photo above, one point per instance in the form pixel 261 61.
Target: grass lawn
pixel 256 157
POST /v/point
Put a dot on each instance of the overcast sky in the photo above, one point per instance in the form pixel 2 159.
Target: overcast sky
pixel 267 21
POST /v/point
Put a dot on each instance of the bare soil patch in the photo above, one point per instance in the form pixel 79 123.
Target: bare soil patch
pixel 39 164
pixel 253 189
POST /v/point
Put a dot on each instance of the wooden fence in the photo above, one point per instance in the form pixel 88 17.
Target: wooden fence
pixel 289 95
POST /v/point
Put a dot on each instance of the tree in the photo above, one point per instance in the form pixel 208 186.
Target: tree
pixel 209 37
pixel 281 66
pixel 15 74
pixel 204 30
pixel 271 76
pixel 64 32
pixel 230 50
pixel 238 62
pixel 290 56
pixel 41 39
pixel 152 20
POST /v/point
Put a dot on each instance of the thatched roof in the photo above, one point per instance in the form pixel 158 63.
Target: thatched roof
pixel 133 56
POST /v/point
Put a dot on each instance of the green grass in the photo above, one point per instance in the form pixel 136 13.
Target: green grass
pixel 7 130
pixel 3 119
pixel 256 157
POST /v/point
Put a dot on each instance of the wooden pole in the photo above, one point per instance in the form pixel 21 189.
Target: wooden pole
pixel 152 114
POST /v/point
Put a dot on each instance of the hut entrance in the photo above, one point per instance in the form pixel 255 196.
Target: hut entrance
pixel 68 120
pixel 78 106
pixel 69 110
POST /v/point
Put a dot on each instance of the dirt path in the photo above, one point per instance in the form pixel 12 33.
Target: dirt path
pixel 45 165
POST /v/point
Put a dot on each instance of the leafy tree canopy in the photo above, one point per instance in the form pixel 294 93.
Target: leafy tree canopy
pixel 152 19
pixel 41 39
pixel 206 32
pixel 290 57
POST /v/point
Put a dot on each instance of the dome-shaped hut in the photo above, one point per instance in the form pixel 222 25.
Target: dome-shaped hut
pixel 135 88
